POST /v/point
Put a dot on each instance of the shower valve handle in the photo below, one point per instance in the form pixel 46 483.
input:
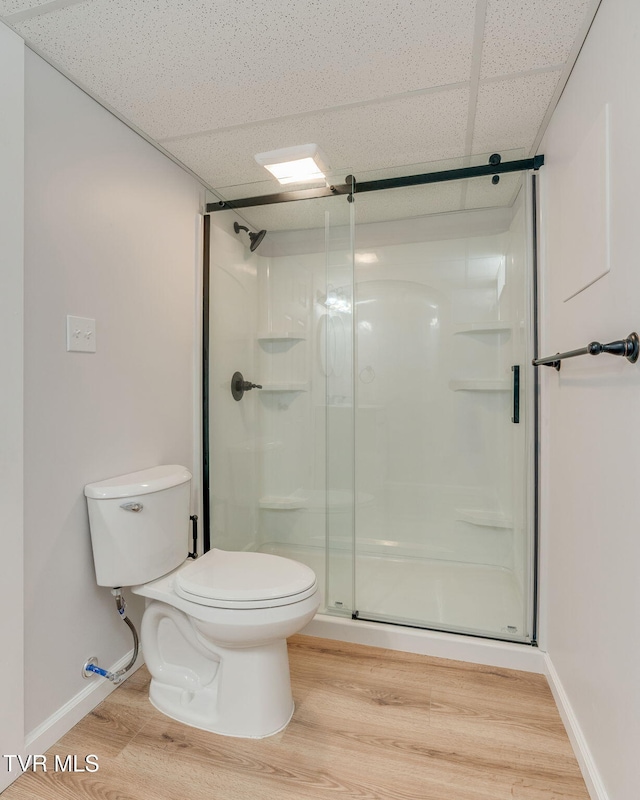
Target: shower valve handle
pixel 239 386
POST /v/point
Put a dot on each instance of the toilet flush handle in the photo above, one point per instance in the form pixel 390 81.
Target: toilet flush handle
pixel 137 507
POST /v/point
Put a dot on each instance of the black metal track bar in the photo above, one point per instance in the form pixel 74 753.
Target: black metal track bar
pixel 385 183
pixel 629 348
pixel 206 378
pixel 383 620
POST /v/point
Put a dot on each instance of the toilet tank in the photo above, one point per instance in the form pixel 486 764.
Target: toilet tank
pixel 139 524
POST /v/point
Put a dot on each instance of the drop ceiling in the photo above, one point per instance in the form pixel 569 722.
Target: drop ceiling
pixel 378 84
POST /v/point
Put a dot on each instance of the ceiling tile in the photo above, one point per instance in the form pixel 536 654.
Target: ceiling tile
pixel 521 36
pixel 428 127
pixel 175 67
pixel 377 83
pixel 13 6
pixel 509 113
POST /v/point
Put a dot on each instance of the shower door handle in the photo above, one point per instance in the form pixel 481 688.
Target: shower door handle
pixel 516 394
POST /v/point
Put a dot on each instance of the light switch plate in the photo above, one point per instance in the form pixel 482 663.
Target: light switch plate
pixel 81 335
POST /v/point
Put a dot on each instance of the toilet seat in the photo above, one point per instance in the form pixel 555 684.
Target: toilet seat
pixel 244 580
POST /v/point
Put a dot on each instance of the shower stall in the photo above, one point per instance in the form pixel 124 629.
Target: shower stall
pixel 389 442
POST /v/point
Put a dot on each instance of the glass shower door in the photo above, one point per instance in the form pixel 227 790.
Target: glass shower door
pixel 390 336
pixel 442 432
pixel 281 458
pixel 337 348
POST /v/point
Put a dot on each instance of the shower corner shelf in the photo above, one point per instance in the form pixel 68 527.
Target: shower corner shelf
pixel 285 387
pixel 269 336
pixel 484 519
pixel 480 385
pixel 482 327
pixel 282 503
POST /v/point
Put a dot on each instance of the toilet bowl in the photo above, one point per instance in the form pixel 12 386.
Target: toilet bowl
pixel 218 654
pixel 214 629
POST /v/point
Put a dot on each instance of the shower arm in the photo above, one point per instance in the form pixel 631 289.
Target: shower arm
pixel 629 348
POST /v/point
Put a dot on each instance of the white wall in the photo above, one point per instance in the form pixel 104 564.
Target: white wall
pixel 591 426
pixel 111 233
pixel 11 366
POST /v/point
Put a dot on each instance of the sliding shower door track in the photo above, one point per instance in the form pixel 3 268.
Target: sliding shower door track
pixel 357 616
pixel 497 168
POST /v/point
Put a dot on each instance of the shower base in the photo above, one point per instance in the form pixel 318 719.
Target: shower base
pixel 450 596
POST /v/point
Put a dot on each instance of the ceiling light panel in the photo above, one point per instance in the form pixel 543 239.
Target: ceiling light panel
pixel 509 46
pixel 509 112
pixel 301 170
pixel 176 68
pixel 304 163
pixel 426 128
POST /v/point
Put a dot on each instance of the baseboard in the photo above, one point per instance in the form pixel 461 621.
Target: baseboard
pixel 428 643
pixel 41 738
pixel 590 773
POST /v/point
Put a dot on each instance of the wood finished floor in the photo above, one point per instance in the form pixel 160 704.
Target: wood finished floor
pixel 370 724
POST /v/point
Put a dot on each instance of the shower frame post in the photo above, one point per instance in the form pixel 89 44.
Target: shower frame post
pixel 206 492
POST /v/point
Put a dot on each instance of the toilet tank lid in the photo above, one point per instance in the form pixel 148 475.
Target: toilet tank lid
pixel 133 484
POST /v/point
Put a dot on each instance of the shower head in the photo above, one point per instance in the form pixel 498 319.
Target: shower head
pixel 255 238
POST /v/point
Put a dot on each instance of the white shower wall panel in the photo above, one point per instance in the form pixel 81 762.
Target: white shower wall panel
pixel 237 445
pixel 284 369
pixel 442 448
pixel 425 451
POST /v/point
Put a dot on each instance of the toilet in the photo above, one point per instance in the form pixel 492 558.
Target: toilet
pixel 214 629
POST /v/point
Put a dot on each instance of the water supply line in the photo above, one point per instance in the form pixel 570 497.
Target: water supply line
pixel 91 665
